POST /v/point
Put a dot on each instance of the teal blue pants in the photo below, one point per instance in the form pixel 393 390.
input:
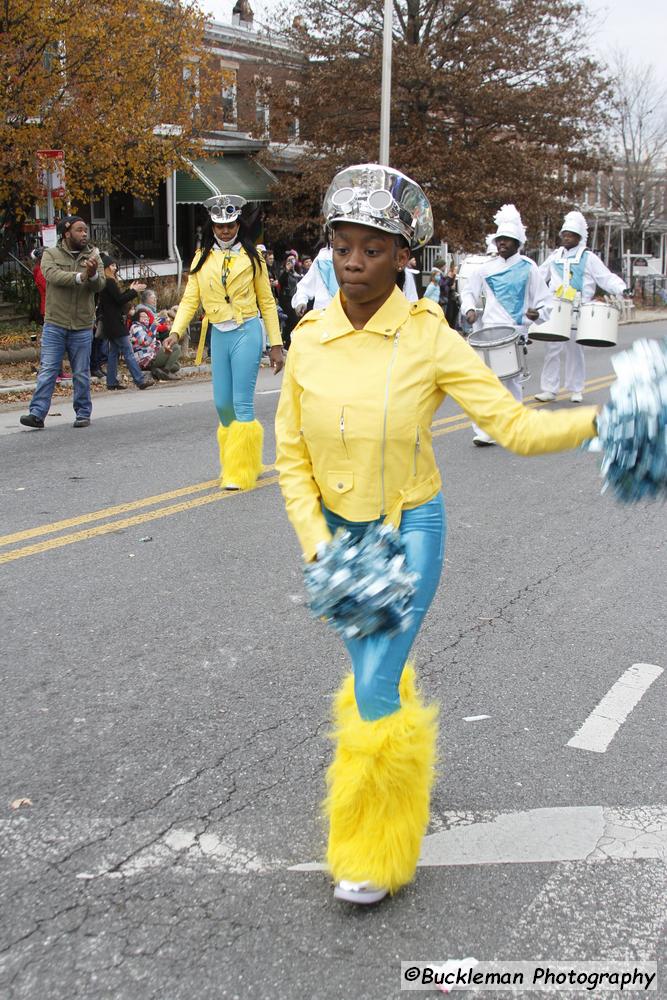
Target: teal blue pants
pixel 235 357
pixel 378 659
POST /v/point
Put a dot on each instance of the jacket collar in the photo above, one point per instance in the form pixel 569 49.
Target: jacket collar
pixel 74 253
pixel 391 315
pixel 235 247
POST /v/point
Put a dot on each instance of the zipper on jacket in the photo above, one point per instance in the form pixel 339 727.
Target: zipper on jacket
pixel 342 432
pixel 417 450
pixel 386 411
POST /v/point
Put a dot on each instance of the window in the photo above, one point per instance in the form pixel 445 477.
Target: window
pixel 142 209
pixel 229 83
pixel 293 120
pixel 191 81
pixel 262 108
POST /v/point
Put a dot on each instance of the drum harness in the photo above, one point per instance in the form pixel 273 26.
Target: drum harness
pixel 566 290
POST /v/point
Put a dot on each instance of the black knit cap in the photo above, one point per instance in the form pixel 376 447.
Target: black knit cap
pixel 67 221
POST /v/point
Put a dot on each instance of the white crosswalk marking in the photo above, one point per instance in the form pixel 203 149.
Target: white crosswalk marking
pixel 583 833
pixel 607 717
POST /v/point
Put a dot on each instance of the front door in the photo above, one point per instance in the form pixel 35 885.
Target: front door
pixel 99 221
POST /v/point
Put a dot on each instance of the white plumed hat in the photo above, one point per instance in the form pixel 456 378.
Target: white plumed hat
pixel 574 222
pixel 508 223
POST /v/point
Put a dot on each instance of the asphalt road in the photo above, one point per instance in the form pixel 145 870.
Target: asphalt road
pixel 165 708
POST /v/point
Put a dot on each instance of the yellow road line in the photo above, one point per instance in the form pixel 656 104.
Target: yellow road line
pixel 99 515
pixel 127 522
pixel 456 423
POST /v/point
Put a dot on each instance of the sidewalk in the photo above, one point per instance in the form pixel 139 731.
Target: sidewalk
pixel 8 386
pixel 646 316
pixel 114 404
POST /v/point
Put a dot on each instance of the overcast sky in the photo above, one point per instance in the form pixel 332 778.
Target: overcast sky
pixel 640 28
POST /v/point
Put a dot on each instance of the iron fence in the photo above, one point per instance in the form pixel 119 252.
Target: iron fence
pixel 650 291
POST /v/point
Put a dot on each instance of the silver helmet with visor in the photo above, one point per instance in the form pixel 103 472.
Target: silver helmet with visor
pixel 225 208
pixel 370 194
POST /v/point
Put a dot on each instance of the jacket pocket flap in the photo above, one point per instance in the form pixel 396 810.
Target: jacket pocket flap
pixel 340 482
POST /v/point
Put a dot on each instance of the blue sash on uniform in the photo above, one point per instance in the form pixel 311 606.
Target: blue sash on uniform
pixel 577 269
pixel 509 287
pixel 328 276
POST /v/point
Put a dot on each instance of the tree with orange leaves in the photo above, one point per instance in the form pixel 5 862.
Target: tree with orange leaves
pixel 492 101
pixel 126 90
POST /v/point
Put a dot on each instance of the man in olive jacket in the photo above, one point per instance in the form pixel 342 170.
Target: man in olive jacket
pixel 74 274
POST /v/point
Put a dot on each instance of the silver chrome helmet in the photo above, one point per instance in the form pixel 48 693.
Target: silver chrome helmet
pixel 225 207
pixel 370 194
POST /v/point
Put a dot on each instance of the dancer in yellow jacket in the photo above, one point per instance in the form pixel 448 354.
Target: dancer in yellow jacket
pixel 229 281
pixel 363 380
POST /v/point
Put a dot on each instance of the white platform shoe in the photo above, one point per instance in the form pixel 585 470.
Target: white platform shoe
pixel 361 893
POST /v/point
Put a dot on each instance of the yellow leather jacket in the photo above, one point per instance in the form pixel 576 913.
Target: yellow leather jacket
pixel 247 295
pixel 353 427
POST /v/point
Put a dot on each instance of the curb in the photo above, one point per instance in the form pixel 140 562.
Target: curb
pixel 7 390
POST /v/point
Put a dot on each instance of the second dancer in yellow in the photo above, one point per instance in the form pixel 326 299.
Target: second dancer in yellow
pixel 230 282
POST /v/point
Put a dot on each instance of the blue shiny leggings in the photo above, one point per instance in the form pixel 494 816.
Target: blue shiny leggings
pixel 235 357
pixel 378 660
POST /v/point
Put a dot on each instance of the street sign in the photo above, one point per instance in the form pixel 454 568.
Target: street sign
pixel 51 167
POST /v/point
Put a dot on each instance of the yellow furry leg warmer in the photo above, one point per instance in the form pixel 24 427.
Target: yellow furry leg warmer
pixel 379 788
pixel 222 441
pixel 243 454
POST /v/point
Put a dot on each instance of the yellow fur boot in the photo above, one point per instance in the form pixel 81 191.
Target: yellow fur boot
pixel 222 441
pixel 379 788
pixel 243 455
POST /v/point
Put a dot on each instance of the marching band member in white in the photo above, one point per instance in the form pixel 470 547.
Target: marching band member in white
pixel 572 272
pixel 514 291
pixel 410 284
pixel 318 283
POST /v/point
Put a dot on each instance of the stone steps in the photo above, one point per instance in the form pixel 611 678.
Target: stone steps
pixel 11 312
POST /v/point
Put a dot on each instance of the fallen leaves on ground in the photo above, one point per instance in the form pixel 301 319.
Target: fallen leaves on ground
pixel 20 803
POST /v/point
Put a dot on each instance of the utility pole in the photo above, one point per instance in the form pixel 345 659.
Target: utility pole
pixel 385 100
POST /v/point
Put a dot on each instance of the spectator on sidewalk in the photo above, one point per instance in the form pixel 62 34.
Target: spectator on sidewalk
pixel 288 281
pixel 149 298
pixel 433 288
pixel 39 279
pixel 99 351
pixel 74 273
pixel 451 296
pixel 112 306
pixel 272 268
pixel 40 284
pixel 151 355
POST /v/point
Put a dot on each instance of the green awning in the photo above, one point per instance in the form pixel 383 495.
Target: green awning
pixel 224 175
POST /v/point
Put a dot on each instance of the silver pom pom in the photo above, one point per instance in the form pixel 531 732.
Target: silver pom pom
pixel 632 426
pixel 362 586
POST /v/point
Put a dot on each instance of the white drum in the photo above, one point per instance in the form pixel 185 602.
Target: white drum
pixel 498 347
pixel 598 325
pixel 557 327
